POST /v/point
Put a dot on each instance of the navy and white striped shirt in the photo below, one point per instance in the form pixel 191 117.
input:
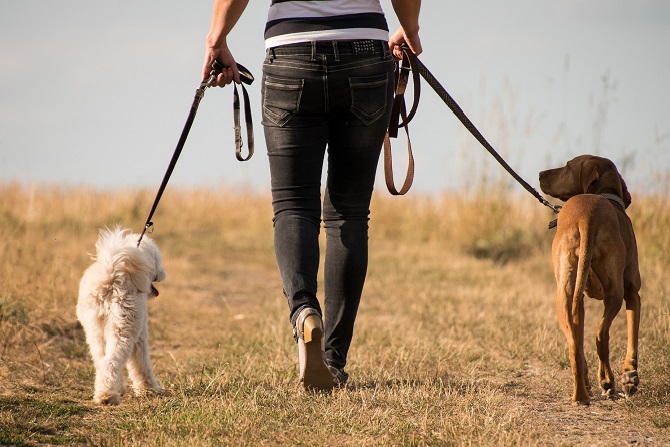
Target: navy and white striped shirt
pixel 294 21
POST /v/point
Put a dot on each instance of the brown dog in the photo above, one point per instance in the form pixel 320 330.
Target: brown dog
pixel 594 252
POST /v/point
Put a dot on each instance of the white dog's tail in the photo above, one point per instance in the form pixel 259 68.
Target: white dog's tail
pixel 127 268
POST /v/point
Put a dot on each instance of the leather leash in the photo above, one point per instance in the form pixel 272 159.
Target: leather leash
pixel 402 70
pixel 247 78
pixel 411 64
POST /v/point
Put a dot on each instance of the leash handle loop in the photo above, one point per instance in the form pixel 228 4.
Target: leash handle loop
pixel 248 121
pixel 388 162
pixel 407 66
pixel 245 75
pixel 246 78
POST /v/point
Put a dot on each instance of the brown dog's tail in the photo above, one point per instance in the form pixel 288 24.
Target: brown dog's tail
pixel 583 265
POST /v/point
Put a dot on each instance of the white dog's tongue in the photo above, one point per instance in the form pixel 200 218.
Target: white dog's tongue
pixel 154 291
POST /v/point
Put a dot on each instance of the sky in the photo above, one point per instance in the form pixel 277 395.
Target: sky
pixel 96 94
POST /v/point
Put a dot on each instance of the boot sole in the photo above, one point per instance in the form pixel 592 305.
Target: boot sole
pixel 317 375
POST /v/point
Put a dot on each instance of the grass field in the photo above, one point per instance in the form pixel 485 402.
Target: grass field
pixel 456 342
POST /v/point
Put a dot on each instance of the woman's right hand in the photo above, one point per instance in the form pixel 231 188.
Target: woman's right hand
pixel 400 38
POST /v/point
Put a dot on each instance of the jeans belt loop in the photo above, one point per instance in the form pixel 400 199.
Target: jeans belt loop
pixel 313 51
pixel 336 51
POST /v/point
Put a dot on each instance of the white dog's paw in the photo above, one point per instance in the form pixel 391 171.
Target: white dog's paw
pixel 107 398
pixel 147 388
pixel 121 386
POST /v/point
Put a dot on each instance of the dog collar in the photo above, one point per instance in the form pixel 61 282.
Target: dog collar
pixel 613 197
pixel 616 199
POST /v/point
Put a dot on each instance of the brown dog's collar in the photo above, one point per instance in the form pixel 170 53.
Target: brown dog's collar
pixel 616 199
pixel 613 197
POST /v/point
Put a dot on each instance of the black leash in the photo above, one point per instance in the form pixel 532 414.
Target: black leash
pixel 247 78
pixel 411 63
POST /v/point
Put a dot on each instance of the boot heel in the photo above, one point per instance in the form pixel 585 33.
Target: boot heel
pixel 314 373
pixel 312 329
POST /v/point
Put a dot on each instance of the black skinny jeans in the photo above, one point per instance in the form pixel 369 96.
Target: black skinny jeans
pixel 316 95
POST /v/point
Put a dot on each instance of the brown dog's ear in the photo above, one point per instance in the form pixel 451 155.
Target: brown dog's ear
pixel 627 199
pixel 589 174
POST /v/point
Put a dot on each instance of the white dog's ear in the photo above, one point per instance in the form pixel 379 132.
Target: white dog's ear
pixel 125 273
pixel 160 275
pixel 151 250
pixel 128 271
pixel 139 269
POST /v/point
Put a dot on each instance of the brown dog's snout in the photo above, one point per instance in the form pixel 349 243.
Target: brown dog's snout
pixel 549 181
pixel 544 182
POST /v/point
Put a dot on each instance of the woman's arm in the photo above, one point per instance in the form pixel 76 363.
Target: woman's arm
pixel 408 33
pixel 225 15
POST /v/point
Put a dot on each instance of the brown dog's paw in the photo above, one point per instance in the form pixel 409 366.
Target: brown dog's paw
pixel 630 381
pixel 610 394
pixel 608 388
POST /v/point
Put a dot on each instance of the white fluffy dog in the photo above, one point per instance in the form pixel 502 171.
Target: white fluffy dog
pixel 112 308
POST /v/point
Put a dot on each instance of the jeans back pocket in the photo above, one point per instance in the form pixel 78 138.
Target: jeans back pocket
pixel 281 98
pixel 369 97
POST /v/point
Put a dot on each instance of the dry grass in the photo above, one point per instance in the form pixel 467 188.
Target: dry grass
pixel 456 340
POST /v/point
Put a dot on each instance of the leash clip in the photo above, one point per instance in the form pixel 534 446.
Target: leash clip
pixel 147 226
pixel 554 208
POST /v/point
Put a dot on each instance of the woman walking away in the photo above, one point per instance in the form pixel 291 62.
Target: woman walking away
pixel 327 90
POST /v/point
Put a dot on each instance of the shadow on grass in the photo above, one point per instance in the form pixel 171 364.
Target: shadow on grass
pixel 29 421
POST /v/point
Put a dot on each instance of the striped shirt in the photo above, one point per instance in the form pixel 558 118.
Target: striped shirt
pixel 294 21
